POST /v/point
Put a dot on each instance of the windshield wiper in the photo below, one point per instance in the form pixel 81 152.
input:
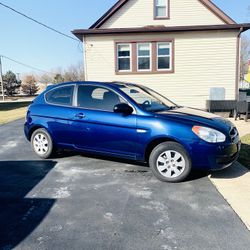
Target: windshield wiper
pixel 165 109
pixel 173 107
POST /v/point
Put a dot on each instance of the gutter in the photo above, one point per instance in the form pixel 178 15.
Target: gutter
pixel 238 63
pixel 85 58
pixel 159 29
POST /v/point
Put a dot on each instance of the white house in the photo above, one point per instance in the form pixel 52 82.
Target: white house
pixel 180 48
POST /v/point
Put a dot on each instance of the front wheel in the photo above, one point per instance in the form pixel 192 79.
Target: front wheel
pixel 170 162
pixel 42 143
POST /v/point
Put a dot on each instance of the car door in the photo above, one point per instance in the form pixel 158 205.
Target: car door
pixel 57 113
pixel 97 128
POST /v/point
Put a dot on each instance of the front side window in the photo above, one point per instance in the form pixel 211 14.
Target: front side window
pixel 124 57
pixel 164 56
pixel 97 98
pixel 144 56
pixel 161 8
pixel 61 96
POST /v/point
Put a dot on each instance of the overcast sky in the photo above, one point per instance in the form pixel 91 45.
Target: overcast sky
pixel 32 44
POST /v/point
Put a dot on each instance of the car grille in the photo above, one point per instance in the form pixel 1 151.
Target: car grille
pixel 234 135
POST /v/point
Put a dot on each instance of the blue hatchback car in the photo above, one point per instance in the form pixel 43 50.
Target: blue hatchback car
pixel 133 122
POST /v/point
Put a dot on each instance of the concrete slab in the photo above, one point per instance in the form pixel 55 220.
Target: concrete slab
pixel 234 185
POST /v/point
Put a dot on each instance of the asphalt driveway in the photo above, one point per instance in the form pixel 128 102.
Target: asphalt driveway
pixel 80 202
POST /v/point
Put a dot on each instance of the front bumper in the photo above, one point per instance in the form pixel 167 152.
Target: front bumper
pixel 223 161
pixel 215 157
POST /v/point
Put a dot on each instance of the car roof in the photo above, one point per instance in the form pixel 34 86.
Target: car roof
pixel 113 84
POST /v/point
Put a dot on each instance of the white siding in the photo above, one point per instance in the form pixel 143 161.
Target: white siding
pixel 139 13
pixel 202 60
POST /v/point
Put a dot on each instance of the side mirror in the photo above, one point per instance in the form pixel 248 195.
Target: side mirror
pixel 123 108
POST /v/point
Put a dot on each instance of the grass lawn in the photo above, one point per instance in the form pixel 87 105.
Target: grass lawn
pixel 244 158
pixel 12 112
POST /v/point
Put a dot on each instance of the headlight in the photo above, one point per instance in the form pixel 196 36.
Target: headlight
pixel 209 134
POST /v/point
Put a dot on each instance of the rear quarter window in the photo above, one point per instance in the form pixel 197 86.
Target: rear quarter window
pixel 60 96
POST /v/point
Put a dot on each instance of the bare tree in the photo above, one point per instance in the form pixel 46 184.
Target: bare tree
pixel 29 86
pixel 245 56
pixel 45 78
pixel 74 73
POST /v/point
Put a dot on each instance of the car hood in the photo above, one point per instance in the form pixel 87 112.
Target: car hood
pixel 197 117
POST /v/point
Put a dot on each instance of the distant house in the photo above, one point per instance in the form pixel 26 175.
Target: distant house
pixel 181 48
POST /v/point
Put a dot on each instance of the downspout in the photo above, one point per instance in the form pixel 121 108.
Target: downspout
pixel 85 58
pixel 238 63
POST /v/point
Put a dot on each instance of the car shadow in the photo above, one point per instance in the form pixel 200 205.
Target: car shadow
pixel 66 153
pixel 19 215
pixel 232 172
pixel 197 174
pixel 244 157
pixel 141 167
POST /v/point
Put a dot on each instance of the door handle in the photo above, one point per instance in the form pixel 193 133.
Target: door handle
pixel 80 116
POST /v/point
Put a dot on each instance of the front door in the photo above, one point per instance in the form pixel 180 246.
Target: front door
pixel 97 128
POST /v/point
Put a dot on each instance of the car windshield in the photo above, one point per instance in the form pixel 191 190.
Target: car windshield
pixel 148 99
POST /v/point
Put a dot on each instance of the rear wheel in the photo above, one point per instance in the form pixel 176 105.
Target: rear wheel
pixel 42 143
pixel 170 162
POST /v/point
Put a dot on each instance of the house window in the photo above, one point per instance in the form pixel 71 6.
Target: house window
pixel 161 9
pixel 163 56
pixel 124 57
pixel 143 56
pixel 152 56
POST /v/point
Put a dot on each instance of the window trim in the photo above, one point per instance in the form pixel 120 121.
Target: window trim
pixel 130 57
pixel 157 56
pixel 150 57
pixel 103 110
pixel 61 105
pixel 167 11
pixel 153 56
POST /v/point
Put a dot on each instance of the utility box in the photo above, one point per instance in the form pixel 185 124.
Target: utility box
pixel 217 94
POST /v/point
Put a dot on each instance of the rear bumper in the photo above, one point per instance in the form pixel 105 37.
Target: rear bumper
pixel 26 129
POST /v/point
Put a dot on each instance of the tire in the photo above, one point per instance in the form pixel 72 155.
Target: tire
pixel 170 162
pixel 42 144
